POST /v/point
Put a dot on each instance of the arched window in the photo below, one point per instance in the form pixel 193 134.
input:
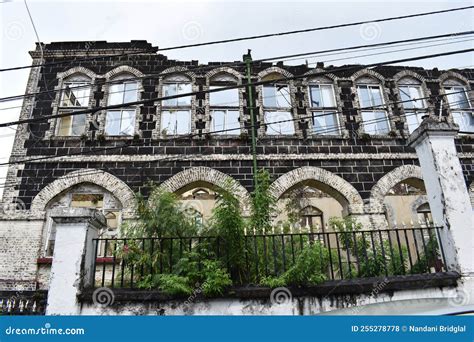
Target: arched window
pixel 277 106
pixel 371 100
pixel 121 121
pixel 424 213
pixel 176 113
pixel 224 105
pixel 323 107
pixel 312 218
pixel 84 195
pixel 459 104
pixel 75 96
pixel 198 193
pixel 414 106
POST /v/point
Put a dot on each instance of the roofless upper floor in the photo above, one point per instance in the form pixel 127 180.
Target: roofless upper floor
pixel 115 91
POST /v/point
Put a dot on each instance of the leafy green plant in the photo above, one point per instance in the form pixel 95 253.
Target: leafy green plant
pixel 427 258
pixel 227 222
pixel 161 215
pixel 215 278
pixel 173 284
pixel 376 258
pixel 273 281
pixel 263 204
pixel 310 268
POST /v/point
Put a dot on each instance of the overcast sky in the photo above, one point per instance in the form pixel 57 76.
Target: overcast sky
pixel 171 23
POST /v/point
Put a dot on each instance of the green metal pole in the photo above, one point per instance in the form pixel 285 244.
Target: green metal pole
pixel 248 63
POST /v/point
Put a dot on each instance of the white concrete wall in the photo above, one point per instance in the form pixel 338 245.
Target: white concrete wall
pixel 289 306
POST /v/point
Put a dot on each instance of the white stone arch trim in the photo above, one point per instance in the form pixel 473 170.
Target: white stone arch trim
pixel 367 72
pixel 208 175
pixel 109 182
pixel 388 181
pixel 169 72
pixel 177 70
pixel 318 72
pixel 274 69
pixel 340 186
pixel 327 78
pixel 291 108
pixel 385 93
pixel 62 78
pixel 223 70
pixel 444 81
pixel 123 69
pixel 452 74
pixel 109 78
pixel 238 106
pixel 410 74
pixel 421 81
pixel 77 70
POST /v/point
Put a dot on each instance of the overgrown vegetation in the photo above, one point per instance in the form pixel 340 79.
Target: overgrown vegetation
pixel 375 257
pixel 211 265
pixel 263 204
pixel 310 268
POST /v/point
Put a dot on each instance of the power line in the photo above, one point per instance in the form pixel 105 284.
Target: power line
pixel 278 34
pixel 235 64
pixel 397 50
pixel 334 128
pixel 283 79
pixel 134 144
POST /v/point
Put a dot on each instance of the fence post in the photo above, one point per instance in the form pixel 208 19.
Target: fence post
pixel 72 267
pixel 447 192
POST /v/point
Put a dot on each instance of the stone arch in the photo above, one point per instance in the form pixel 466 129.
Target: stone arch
pixel 367 72
pixel 223 70
pixel 408 74
pixel 272 70
pixel 388 181
pixel 333 185
pixel 319 73
pixel 77 70
pixel 98 177
pixel 123 69
pixel 453 75
pixel 211 176
pixel 178 70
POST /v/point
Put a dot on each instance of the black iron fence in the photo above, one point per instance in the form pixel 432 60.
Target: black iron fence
pixel 122 262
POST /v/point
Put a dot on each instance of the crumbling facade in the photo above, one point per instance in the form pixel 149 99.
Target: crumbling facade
pixel 313 133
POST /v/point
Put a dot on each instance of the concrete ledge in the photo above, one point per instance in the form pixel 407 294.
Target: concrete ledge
pixel 341 287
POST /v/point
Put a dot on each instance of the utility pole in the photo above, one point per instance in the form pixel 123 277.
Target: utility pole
pixel 248 64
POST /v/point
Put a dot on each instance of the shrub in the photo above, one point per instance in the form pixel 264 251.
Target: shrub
pixel 310 268
pixel 263 204
pixel 161 215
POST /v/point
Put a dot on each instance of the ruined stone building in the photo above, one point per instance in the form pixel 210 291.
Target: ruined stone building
pixel 314 137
